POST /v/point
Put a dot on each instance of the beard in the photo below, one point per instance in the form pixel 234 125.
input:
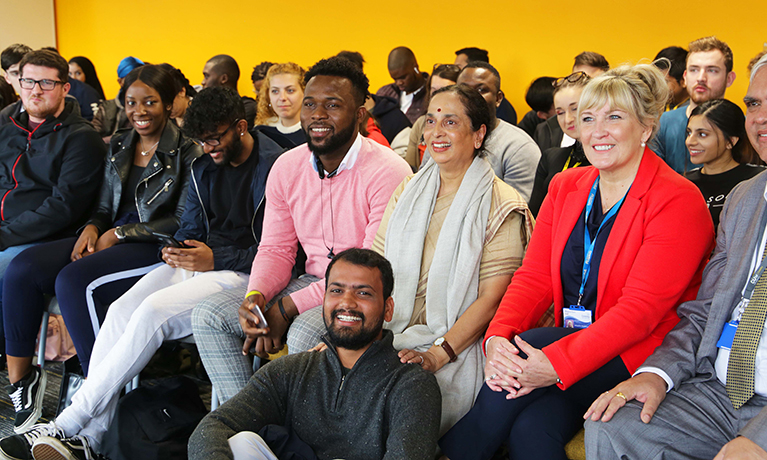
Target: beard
pixel 42 109
pixel 334 142
pixel 712 93
pixel 343 337
pixel 231 152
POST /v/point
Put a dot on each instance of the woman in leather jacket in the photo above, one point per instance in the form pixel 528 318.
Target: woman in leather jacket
pixel 145 184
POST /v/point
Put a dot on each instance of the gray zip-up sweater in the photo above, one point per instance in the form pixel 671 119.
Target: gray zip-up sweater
pixel 381 408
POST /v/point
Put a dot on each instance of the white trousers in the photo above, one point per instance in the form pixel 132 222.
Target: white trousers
pixel 247 445
pixel 157 308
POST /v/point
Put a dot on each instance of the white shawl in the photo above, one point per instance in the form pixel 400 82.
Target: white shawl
pixel 453 281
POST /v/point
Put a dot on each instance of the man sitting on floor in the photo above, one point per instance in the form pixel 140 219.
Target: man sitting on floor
pixel 353 399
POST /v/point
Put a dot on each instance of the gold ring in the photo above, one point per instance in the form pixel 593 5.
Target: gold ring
pixel 621 395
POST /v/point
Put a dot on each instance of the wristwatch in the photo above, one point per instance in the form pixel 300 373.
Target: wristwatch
pixel 119 234
pixel 441 342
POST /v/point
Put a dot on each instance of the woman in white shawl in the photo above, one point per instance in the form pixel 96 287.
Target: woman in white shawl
pixel 454 234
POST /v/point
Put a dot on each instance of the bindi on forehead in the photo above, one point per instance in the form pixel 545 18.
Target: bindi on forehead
pixel 439 109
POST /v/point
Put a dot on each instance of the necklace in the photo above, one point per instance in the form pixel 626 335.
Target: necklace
pixel 146 152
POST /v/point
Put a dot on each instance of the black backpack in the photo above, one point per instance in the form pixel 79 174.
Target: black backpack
pixel 155 422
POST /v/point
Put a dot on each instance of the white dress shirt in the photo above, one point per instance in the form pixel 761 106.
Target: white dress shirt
pixel 349 159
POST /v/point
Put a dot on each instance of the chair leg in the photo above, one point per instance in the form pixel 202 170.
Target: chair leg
pixel 43 338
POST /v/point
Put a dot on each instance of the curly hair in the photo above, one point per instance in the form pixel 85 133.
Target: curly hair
pixel 211 108
pixel 259 71
pixel 344 68
pixel 476 109
pixel 265 111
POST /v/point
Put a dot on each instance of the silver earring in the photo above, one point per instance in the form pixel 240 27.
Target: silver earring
pixel 241 134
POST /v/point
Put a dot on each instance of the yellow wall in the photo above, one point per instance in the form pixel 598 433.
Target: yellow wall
pixel 526 39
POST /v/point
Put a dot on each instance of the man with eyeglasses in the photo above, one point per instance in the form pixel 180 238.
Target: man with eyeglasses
pixel 11 57
pixel 51 162
pixel 219 235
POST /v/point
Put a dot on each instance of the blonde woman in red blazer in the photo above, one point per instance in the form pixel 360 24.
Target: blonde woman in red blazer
pixel 650 234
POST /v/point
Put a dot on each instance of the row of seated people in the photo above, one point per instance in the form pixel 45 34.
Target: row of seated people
pixel 438 321
pixel 550 123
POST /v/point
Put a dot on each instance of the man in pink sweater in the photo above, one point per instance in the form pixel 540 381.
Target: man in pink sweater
pixel 327 195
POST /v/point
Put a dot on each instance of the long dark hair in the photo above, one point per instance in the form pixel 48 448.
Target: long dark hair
pixel 91 79
pixel 728 118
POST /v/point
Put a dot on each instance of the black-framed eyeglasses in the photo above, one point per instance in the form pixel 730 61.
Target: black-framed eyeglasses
pixel 45 85
pixel 572 78
pixel 216 140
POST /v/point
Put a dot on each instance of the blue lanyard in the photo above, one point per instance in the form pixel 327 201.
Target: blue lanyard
pixel 588 243
pixel 759 269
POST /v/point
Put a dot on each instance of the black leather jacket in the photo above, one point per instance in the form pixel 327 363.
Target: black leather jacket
pixel 161 191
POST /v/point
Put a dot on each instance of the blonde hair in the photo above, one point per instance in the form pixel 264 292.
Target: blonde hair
pixel 640 90
pixel 264 111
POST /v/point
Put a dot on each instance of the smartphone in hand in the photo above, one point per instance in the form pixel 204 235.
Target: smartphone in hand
pixel 261 318
pixel 168 240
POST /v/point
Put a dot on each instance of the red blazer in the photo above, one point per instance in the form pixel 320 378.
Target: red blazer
pixel 653 261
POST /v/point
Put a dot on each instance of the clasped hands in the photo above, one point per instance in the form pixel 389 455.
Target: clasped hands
pixel 264 339
pixel 506 370
pixel 90 242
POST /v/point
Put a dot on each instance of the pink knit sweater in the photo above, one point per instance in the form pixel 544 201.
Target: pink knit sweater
pixel 299 209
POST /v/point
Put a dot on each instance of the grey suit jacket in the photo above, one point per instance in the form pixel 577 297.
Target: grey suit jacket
pixel 689 351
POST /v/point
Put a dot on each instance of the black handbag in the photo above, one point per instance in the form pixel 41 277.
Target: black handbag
pixel 155 421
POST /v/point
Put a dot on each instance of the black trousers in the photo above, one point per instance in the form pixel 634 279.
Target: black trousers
pixel 537 425
pixel 84 290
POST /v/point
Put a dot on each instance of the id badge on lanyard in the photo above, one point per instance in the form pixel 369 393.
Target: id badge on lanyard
pixel 576 316
pixel 729 329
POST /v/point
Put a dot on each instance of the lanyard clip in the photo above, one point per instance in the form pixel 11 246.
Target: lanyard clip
pixel 580 296
pixel 741 308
